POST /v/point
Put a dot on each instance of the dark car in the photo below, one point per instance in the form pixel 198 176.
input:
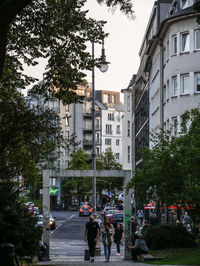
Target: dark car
pixel 117 218
pixel 85 210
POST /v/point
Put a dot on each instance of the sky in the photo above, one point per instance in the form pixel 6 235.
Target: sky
pixel 121 46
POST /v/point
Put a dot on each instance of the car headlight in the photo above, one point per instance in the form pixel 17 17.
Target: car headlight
pixel 50 222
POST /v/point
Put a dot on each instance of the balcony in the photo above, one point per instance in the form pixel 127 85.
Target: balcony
pixel 88 114
pixel 87 142
pixel 87 128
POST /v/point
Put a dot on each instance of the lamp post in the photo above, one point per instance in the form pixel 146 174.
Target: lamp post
pixel 103 68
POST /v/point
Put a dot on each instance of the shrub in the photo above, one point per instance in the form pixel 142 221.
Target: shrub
pixel 168 236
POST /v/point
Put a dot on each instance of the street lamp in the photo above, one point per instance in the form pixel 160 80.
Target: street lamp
pixel 103 68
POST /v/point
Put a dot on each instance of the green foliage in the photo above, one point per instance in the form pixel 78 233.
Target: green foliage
pixel 170 171
pixel 167 236
pixel 17 224
pixel 57 30
pixel 107 161
pixel 27 137
pixel 80 161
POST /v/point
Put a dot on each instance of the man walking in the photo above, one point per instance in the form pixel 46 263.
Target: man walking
pixel 92 231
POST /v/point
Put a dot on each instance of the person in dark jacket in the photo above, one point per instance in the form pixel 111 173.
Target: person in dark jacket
pixel 134 226
pixel 118 237
pixel 154 220
pixel 92 231
pixel 140 246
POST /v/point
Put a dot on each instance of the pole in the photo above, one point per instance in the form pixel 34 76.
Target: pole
pixel 93 136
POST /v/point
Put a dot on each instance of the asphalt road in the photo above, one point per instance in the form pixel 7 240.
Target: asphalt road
pixel 67 240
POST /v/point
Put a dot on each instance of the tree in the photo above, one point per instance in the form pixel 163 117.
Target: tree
pixel 107 161
pixel 56 30
pixel 170 171
pixel 27 137
pixel 80 161
pixel 17 224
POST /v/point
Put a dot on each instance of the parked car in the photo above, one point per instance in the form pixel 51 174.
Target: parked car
pixel 117 218
pixel 85 210
pixel 52 222
pixel 36 210
pixel 106 209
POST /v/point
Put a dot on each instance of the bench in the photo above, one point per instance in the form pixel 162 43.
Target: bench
pixel 145 257
pixel 148 257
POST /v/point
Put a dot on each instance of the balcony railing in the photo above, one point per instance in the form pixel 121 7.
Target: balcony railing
pixel 87 142
pixel 98 141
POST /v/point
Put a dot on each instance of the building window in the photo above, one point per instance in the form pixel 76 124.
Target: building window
pixel 174 86
pixel 66 164
pixel 118 129
pixel 185 84
pixel 111 116
pixel 128 128
pixel 129 154
pixel 67 150
pixel 185 42
pixel 117 156
pixel 105 98
pixel 108 142
pixel 164 56
pixel 128 104
pixel 109 129
pixel 167 90
pixel 197 39
pixel 175 125
pixel 67 121
pixel 97 150
pixel 117 142
pixel 197 82
pixel 67 134
pixel 113 99
pixel 52 182
pixel 97 123
pixel 174 44
pixel 164 94
pixel 56 164
pixel 167 51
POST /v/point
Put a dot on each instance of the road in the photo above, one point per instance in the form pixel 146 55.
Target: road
pixel 67 240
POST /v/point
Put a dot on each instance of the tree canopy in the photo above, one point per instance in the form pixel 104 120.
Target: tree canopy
pixel 171 169
pixel 56 30
pixel 107 161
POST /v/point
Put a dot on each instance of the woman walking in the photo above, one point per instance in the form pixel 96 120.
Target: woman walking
pixel 118 237
pixel 107 231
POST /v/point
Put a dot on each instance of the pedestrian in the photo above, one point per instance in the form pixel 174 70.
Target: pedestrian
pixel 92 232
pixel 140 246
pixel 118 237
pixel 107 232
pixel 134 227
pixel 140 216
pixel 154 220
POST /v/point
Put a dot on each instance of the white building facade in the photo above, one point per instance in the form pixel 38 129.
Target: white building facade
pixel 175 70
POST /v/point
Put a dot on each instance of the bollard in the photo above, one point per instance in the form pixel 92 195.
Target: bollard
pixel 7 254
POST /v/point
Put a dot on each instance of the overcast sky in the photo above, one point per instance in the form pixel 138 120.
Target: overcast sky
pixel 121 47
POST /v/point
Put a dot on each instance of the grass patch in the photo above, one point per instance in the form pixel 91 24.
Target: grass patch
pixel 183 256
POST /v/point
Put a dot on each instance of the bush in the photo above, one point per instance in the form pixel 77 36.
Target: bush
pixel 17 224
pixel 168 236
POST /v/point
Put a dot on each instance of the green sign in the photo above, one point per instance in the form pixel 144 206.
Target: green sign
pixel 53 191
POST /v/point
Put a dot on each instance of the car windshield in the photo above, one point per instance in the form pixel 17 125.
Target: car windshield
pixel 40 218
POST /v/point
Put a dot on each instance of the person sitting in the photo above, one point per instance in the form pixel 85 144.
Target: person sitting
pixel 140 246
